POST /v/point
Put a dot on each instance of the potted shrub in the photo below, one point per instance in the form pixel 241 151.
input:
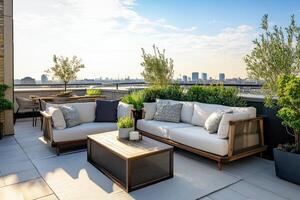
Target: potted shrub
pixel 65 69
pixel 136 99
pixel 287 156
pixel 125 125
pixel 4 104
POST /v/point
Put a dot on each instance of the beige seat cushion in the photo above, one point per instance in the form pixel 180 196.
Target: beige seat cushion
pixel 159 128
pixel 81 131
pixel 199 138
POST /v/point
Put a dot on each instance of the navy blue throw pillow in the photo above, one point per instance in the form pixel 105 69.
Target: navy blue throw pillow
pixel 106 110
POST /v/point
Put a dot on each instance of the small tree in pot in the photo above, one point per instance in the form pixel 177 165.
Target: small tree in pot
pixel 65 69
pixel 4 104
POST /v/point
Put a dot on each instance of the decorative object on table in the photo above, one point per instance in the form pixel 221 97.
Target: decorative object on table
pixel 287 156
pixel 65 69
pixel 134 136
pixel 4 104
pixel 125 125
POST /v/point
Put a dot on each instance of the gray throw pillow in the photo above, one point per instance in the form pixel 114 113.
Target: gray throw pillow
pixel 71 115
pixel 214 119
pixel 168 112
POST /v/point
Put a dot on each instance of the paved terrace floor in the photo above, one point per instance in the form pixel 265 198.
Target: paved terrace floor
pixel 29 169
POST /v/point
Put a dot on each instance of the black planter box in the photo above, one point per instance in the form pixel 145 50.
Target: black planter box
pixel 287 165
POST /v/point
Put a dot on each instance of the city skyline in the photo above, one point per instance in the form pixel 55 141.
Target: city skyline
pixel 109 35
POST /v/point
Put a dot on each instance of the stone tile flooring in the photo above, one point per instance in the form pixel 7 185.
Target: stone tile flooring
pixel 21 179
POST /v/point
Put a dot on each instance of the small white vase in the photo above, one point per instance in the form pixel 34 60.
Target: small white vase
pixel 124 132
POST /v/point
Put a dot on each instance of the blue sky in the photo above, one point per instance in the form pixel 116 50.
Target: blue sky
pixel 210 16
pixel 209 36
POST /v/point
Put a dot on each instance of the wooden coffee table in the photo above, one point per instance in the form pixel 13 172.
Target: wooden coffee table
pixel 131 164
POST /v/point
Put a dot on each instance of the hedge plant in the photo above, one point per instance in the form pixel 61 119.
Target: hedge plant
pixel 215 95
pixel 174 92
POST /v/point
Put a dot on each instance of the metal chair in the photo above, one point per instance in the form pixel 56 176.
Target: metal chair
pixel 27 104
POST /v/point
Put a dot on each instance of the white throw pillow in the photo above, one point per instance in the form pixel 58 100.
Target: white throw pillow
pixel 213 121
pixel 57 117
pixel 124 110
pixel 150 110
pixel 250 110
pixel 202 112
pixel 223 129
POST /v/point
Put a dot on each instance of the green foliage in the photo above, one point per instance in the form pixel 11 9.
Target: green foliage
pixel 136 98
pixel 276 52
pixel 65 68
pixel 4 103
pixel 289 103
pixel 215 95
pixel 125 122
pixel 163 92
pixel 158 70
pixel 93 92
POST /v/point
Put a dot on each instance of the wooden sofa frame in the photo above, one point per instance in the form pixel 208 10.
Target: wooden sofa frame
pixel 59 146
pixel 236 129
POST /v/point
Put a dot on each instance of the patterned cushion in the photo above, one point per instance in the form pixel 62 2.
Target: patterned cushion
pixel 168 112
pixel 213 121
pixel 71 115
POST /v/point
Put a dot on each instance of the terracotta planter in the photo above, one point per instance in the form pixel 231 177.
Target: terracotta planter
pixel 124 132
pixel 287 165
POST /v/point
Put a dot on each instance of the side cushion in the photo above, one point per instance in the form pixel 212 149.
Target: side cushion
pixel 150 110
pixel 250 110
pixel 223 130
pixel 57 117
pixel 81 131
pixel 86 110
pixel 202 112
pixel 159 128
pixel 199 138
pixel 124 110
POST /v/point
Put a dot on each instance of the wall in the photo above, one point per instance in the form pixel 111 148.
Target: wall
pixel 6 59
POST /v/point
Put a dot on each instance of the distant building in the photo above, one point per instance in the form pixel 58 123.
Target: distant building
pixel 204 76
pixel 195 76
pixel 184 78
pixel 44 78
pixel 221 77
pixel 27 80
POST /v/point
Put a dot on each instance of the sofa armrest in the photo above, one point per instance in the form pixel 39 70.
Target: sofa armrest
pixel 245 135
pixel 47 126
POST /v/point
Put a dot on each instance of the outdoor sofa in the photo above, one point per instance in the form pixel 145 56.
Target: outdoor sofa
pixel 69 138
pixel 239 133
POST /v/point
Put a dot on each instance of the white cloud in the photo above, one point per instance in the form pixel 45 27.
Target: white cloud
pixel 108 36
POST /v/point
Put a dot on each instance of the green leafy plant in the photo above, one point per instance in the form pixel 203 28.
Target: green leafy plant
pixel 158 70
pixel 289 105
pixel 5 104
pixel 93 92
pixel 65 68
pixel 136 98
pixel 276 52
pixel 125 122
pixel 174 92
pixel 217 94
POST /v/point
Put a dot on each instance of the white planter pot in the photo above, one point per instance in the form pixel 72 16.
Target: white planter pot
pixel 124 132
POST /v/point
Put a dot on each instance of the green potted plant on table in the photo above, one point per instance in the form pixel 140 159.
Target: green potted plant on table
pixel 65 69
pixel 287 156
pixel 125 125
pixel 4 104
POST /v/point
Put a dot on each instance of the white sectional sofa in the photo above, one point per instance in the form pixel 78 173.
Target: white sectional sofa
pixel 239 134
pixel 64 138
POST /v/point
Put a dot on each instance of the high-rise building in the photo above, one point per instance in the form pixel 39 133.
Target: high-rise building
pixel 204 76
pixel 44 78
pixel 195 76
pixel 221 77
pixel 184 78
